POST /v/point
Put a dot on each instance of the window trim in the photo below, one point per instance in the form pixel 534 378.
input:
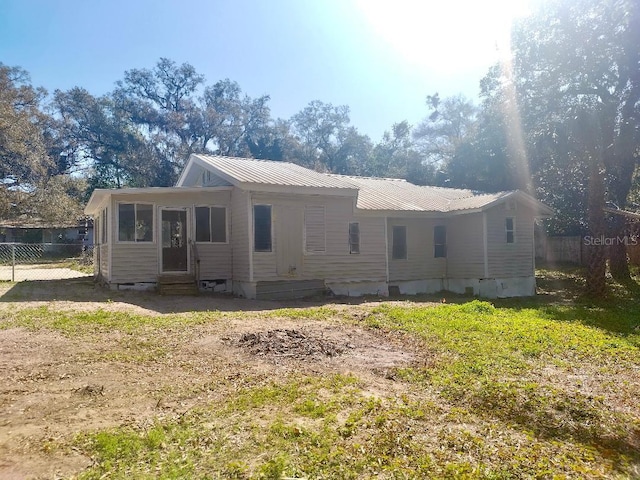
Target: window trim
pixel 226 225
pixel 253 239
pixel 154 221
pixel 351 244
pixel 393 243
pixel 511 230
pixel 436 253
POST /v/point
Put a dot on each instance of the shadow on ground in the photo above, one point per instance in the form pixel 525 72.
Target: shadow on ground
pixel 86 290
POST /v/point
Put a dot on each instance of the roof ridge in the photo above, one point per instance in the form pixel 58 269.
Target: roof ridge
pixel 369 177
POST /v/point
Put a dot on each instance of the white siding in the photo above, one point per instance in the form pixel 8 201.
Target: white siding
pixel 465 246
pixel 510 259
pixel 139 262
pixel 215 260
pixel 420 262
pixel 335 263
pixel 239 234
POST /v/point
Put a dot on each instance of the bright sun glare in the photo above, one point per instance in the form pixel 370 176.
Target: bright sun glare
pixel 445 36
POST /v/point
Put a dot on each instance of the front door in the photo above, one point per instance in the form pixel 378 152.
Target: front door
pixel 175 242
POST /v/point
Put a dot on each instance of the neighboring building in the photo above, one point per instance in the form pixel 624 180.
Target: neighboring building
pixel 265 229
pixel 38 231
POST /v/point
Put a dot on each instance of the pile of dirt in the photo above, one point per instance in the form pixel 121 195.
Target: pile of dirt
pixel 290 343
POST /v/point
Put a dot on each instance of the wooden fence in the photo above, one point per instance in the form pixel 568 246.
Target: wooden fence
pixel 575 249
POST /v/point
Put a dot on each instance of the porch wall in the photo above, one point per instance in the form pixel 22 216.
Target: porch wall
pixel 140 262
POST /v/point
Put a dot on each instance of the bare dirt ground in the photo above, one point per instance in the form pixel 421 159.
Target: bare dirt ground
pixel 37 272
pixel 55 387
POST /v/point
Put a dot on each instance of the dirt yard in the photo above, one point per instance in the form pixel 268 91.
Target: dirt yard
pixel 56 386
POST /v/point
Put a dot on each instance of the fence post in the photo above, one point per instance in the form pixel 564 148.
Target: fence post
pixel 13 262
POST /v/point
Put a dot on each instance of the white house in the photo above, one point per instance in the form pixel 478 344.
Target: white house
pixel 266 229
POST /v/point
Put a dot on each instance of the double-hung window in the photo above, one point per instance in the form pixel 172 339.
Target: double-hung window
pixel 510 229
pixel 439 241
pixel 211 224
pixel 135 222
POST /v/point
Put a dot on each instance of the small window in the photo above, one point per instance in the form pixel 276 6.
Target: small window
pixel 354 237
pixel 103 227
pixel 439 241
pixel 262 228
pixel 135 222
pixel 211 224
pixel 314 229
pixel 510 228
pixel 399 247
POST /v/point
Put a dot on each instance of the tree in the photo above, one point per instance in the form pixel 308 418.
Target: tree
pixel 396 156
pixel 450 122
pixel 161 103
pixel 231 120
pixel 327 141
pixel 34 180
pixel 584 53
pixel 24 159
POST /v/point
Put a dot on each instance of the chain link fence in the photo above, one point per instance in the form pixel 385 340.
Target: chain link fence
pixel 44 261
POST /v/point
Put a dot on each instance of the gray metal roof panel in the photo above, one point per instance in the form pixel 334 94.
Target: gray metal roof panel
pixel 269 172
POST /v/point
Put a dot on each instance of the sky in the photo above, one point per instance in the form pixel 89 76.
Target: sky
pixel 381 58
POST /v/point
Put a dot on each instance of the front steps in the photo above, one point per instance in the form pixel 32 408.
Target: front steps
pixel 180 284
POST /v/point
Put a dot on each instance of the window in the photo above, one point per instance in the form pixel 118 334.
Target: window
pixel 314 229
pixel 354 237
pixel 211 224
pixel 135 222
pixel 439 241
pixel 399 247
pixel 510 228
pixel 103 227
pixel 262 228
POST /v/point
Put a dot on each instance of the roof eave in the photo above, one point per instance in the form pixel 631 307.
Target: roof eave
pixel 100 196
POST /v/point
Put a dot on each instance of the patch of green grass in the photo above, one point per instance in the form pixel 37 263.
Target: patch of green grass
pixel 488 359
pixel 266 432
pixel 83 322
pixel 319 313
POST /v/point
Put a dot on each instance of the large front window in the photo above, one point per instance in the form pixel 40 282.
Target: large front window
pixel 135 222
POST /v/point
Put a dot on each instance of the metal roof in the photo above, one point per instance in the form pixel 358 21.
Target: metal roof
pixel 399 195
pixel 373 194
pixel 269 172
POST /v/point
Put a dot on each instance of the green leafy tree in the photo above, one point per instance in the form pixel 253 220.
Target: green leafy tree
pixel 583 54
pixel 34 183
pixel 396 156
pixel 451 121
pixel 327 141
